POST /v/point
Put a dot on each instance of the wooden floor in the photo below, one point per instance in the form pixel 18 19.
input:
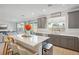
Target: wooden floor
pixel 56 51
pixel 62 51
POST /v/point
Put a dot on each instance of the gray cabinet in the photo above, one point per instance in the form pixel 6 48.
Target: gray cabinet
pixel 76 42
pixel 42 22
pixel 68 42
pixel 56 41
pixel 63 41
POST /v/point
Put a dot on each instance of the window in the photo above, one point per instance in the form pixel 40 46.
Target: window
pixel 56 24
pixel 20 27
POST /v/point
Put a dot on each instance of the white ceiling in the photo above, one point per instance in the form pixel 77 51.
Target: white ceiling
pixel 12 12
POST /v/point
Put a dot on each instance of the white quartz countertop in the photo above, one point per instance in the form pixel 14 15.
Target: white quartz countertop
pixel 31 41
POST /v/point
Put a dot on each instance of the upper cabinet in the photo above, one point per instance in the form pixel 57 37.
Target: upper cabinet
pixel 73 19
pixel 42 22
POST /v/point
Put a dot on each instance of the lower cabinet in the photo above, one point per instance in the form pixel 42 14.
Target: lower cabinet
pixel 56 40
pixel 63 41
pixel 60 41
pixel 68 42
pixel 76 44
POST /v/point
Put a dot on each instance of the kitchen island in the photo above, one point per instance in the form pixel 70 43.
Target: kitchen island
pixel 34 42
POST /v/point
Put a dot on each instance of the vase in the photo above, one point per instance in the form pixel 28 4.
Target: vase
pixel 28 33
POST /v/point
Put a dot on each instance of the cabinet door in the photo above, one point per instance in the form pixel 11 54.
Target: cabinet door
pixel 67 42
pixel 76 44
pixel 64 41
pixel 70 43
pixel 57 40
pixel 42 22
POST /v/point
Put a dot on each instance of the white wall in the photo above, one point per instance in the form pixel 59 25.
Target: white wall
pixel 11 25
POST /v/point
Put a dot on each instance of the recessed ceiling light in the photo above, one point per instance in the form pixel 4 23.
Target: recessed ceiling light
pixel 44 10
pixel 33 13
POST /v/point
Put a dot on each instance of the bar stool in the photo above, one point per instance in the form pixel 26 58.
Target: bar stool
pixel 13 48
